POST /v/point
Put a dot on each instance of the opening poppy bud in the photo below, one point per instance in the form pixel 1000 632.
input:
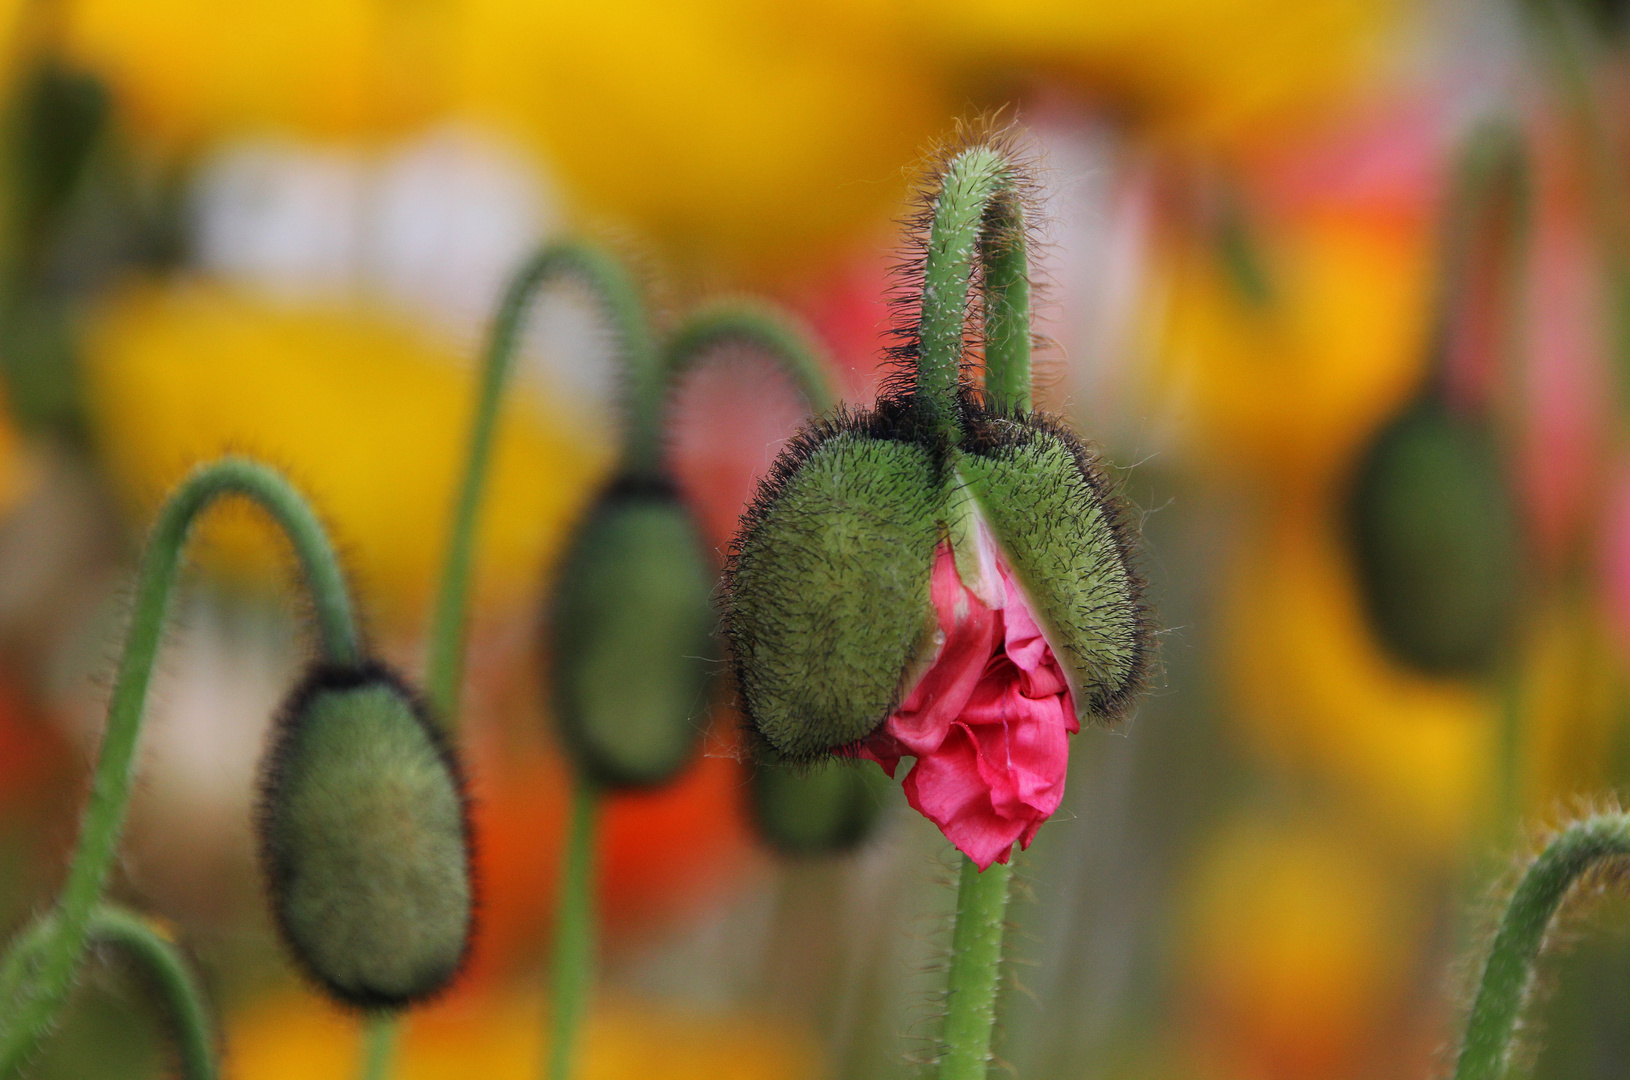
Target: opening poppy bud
pixel 365 839
pixel 824 811
pixel 630 642
pixel 1435 539
pixel 891 596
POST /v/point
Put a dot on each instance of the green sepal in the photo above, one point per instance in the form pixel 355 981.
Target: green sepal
pixel 1435 538
pixel 365 839
pixel 830 617
pixel 1059 526
pixel 630 648
pixel 827 809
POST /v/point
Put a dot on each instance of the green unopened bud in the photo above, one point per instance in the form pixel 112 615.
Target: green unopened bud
pixel 829 612
pixel 824 811
pixel 630 646
pixel 1435 537
pixel 365 838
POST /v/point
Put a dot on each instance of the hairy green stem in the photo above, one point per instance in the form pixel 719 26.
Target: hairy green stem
pixel 1509 971
pixel 574 932
pixel 620 302
pixel 379 1045
pixel 1007 307
pixel 976 960
pixel 756 326
pixel 161 961
pixel 977 181
pixel 34 1003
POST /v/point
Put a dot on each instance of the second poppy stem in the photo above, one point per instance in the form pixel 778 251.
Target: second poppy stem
pixel 976 959
pixel 574 934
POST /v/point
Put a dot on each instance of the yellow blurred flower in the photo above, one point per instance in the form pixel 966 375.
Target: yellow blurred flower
pixel 1193 70
pixel 1290 387
pixel 1313 691
pixel 1570 706
pixel 1299 946
pixel 717 125
pixel 186 71
pixel 501 1037
pixel 366 416
pixel 727 128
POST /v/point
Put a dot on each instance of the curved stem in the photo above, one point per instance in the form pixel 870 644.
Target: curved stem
pixel 163 963
pixel 36 1003
pixel 1510 968
pixel 1007 308
pixel 574 933
pixel 620 302
pixel 976 179
pixel 756 326
pixel 379 1045
pixel 976 958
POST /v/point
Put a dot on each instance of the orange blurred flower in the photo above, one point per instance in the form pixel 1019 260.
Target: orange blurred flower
pixel 500 1036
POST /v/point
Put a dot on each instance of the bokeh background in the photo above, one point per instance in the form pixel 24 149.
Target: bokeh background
pixel 281 227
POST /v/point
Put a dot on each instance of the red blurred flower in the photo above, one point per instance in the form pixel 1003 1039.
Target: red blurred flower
pixel 988 722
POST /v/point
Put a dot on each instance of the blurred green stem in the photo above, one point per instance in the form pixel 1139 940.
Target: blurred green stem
pixel 574 934
pixel 755 326
pixel 164 965
pixel 1509 971
pixel 976 959
pixel 36 991
pixel 379 1045
pixel 618 297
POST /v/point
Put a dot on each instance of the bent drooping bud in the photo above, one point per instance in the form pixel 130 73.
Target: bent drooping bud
pixel 365 839
pixel 630 636
pixel 1435 538
pixel 947 576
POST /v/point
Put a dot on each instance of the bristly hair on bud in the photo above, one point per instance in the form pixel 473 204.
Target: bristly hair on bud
pixel 365 839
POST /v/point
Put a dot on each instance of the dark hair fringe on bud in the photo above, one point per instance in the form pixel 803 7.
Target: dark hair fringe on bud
pixel 906 274
pixel 322 677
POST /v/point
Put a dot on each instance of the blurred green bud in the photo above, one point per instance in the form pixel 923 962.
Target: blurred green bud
pixel 822 811
pixel 630 643
pixel 1435 539
pixel 365 839
pixel 829 613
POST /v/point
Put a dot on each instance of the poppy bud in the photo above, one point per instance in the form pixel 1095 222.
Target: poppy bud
pixel 830 618
pixel 630 641
pixel 828 810
pixel 890 595
pixel 365 839
pixel 1435 540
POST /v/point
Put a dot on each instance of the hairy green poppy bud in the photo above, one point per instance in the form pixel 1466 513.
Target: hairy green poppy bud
pixel 1435 537
pixel 829 614
pixel 630 644
pixel 824 811
pixel 365 838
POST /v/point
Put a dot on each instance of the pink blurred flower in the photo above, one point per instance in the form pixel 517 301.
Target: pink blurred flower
pixel 988 722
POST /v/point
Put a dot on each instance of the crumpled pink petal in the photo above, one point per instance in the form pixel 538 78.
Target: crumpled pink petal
pixel 988 723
